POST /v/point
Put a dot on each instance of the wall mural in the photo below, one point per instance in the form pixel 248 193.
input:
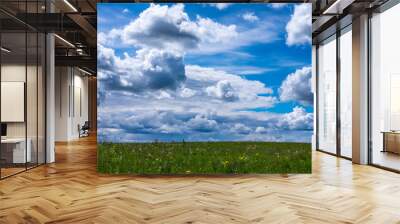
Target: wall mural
pixel 204 88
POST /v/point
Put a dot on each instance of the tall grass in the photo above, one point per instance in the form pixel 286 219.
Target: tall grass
pixel 204 158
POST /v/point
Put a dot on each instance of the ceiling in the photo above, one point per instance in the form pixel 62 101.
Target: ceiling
pixel 75 21
pixel 330 15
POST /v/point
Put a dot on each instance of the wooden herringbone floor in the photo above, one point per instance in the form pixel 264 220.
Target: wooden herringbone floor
pixel 70 191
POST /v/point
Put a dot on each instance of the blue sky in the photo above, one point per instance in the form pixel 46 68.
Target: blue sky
pixel 204 72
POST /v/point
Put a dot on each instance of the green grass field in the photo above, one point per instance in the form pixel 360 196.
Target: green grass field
pixel 204 158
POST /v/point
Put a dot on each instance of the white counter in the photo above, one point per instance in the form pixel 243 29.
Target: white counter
pixel 19 153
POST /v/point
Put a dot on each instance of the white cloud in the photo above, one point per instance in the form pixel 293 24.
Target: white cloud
pixel 157 74
pixel 220 6
pixel 106 58
pixel 139 124
pixel 249 16
pixel 263 33
pixel 163 95
pixel 297 87
pixel 241 129
pixel 201 123
pixel 278 5
pixel 297 119
pixel 222 90
pixel 187 93
pixel 161 26
pixel 244 70
pixel 246 89
pixel 210 31
pixel 148 69
pixel 261 130
pixel 299 27
pixel 170 27
pixel 125 11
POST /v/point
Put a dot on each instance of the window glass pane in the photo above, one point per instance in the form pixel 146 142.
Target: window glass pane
pixel 327 95
pixel 41 98
pixel 13 86
pixel 22 87
pixel 31 97
pixel 346 92
pixel 385 84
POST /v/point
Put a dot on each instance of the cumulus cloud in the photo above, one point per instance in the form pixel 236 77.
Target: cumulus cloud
pixel 148 69
pixel 246 89
pixel 170 27
pixel 241 129
pixel 298 119
pixel 201 123
pixel 163 95
pixel 261 130
pixel 220 6
pixel 138 124
pixel 144 122
pixel 169 24
pixel 222 90
pixel 249 16
pixel 105 57
pixel 213 32
pixel 187 93
pixel 150 80
pixel 299 27
pixel 297 87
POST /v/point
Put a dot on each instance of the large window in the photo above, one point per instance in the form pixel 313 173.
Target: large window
pixel 345 92
pixel 385 89
pixel 22 88
pixel 327 95
pixel 335 94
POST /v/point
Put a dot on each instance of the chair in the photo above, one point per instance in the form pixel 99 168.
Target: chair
pixel 84 130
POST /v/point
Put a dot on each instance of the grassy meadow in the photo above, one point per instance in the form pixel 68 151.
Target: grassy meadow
pixel 204 158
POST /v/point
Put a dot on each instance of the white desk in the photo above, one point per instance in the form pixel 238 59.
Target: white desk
pixel 19 153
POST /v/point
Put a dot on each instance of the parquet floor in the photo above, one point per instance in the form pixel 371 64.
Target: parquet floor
pixel 10 171
pixel 70 191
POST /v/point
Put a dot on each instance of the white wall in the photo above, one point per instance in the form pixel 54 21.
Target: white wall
pixel 17 73
pixel 13 101
pixel 13 73
pixel 62 82
pixel 70 84
pixel 81 114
